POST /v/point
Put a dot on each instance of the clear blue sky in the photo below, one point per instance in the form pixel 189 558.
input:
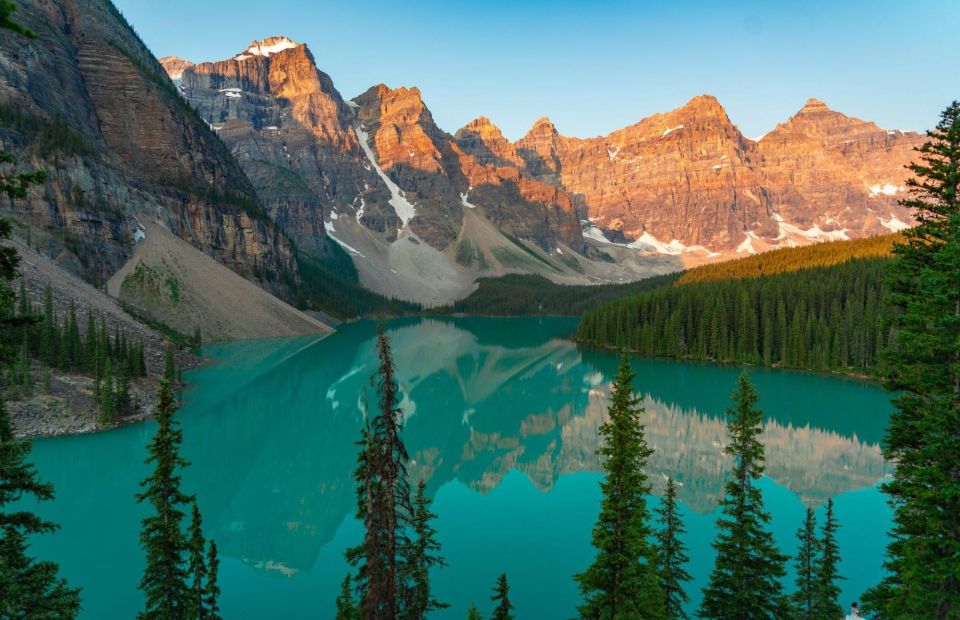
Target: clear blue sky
pixel 593 67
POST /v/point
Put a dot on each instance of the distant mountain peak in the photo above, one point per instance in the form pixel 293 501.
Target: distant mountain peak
pixel 267 47
pixel 175 66
pixel 815 105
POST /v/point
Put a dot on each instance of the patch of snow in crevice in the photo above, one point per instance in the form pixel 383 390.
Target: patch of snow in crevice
pixel 612 153
pixel 747 246
pixel 405 211
pixel 646 242
pixel 814 234
pixel 887 189
pixel 334 215
pixel 465 202
pixel 894 224
pixel 670 130
pixel 272 128
pixel 232 89
pixel 232 95
pixel 330 230
pixel 139 235
pixel 351 104
pixel 360 210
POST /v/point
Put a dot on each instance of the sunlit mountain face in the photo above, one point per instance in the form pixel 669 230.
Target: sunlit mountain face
pixel 502 422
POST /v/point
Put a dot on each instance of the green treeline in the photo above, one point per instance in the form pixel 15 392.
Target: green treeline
pixel 522 294
pixel 825 318
pixel 67 343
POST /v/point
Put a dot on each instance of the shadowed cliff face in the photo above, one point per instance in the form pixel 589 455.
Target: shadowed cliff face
pixel 119 144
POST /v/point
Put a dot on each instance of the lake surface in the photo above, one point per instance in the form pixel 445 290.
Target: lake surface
pixel 502 423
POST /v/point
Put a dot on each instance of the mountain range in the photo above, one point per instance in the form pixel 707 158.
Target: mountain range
pixel 262 165
pixel 424 212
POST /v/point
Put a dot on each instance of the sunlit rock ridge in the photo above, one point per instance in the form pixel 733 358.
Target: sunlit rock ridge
pixel 423 212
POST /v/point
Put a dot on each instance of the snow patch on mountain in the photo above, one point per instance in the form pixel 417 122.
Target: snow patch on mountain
pixel 405 210
pixel 894 224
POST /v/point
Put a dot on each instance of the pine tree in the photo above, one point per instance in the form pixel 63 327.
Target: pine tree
pixel 28 588
pixel 501 596
pixel 197 567
pixel 383 502
pixel 622 581
pixel 672 555
pixel 108 410
pixel 923 436
pixel 804 597
pixel 424 555
pixel 165 578
pixel 473 613
pixel 211 590
pixel 745 581
pixel 827 592
pixel 346 607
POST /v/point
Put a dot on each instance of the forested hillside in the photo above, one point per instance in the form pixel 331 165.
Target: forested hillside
pixel 824 318
pixel 793 259
pixel 520 294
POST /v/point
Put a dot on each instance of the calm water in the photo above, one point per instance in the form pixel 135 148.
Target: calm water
pixel 503 419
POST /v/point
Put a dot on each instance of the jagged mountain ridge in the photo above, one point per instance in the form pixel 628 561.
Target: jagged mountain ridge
pixel 675 180
pixel 88 103
pixel 420 215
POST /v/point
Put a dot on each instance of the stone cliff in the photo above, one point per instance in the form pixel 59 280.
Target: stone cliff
pixel 88 103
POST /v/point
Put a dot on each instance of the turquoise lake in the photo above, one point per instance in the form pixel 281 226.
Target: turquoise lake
pixel 502 420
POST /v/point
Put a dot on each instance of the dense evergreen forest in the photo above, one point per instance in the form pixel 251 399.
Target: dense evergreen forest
pixel 522 294
pixel 824 318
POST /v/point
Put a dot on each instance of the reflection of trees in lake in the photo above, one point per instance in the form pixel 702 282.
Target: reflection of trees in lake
pixel 277 454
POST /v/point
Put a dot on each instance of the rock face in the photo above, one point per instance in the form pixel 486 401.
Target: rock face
pixel 97 112
pixel 289 129
pixel 690 178
pixel 174 66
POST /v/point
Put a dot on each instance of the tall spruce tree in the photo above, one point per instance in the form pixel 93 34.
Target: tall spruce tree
pixel 346 607
pixel 383 501
pixel 745 581
pixel 804 597
pixel 672 555
pixel 165 580
pixel 197 565
pixel 28 588
pixel 424 555
pixel 923 436
pixel 473 613
pixel 622 581
pixel 501 596
pixel 211 589
pixel 827 592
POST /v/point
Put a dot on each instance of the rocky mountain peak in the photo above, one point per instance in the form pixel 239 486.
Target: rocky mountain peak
pixel 484 140
pixel 814 105
pixel 267 47
pixel 542 126
pixel 702 105
pixel 175 66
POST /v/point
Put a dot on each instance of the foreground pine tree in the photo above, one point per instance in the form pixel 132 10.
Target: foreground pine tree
pixel 923 437
pixel 623 580
pixel 197 566
pixel 827 592
pixel 346 608
pixel 804 597
pixel 672 555
pixel 211 590
pixel 383 559
pixel 501 596
pixel 745 582
pixel 424 555
pixel 165 580
pixel 473 613
pixel 28 588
